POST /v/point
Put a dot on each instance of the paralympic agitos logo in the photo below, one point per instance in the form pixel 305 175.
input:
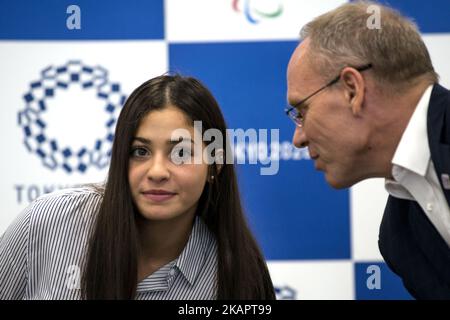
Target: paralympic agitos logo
pixel 253 11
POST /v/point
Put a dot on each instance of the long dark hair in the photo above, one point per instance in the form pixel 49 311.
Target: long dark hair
pixel 111 262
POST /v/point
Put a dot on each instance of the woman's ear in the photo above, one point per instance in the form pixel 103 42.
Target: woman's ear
pixel 219 160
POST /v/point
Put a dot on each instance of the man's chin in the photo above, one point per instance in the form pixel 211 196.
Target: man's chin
pixel 336 182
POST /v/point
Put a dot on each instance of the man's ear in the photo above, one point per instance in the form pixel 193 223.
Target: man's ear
pixel 354 86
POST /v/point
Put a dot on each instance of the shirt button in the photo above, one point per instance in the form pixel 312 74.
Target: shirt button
pixel 172 272
pixel 429 207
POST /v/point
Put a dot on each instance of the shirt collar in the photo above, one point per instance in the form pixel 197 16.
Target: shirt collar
pixel 189 263
pixel 415 138
pixel 157 281
pixel 191 259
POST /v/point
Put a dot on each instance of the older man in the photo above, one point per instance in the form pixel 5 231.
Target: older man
pixel 367 103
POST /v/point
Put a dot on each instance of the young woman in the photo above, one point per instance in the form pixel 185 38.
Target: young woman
pixel 164 226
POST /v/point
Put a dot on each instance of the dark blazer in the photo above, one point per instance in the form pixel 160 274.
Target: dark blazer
pixel 408 241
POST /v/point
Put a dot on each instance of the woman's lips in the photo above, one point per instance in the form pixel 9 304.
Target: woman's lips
pixel 158 195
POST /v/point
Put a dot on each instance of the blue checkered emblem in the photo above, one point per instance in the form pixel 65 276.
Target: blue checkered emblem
pixel 56 154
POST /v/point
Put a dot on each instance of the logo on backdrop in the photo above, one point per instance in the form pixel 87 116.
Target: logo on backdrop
pixel 258 10
pixel 61 107
pixel 285 293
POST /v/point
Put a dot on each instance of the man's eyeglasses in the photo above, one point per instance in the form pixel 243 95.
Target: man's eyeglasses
pixel 297 114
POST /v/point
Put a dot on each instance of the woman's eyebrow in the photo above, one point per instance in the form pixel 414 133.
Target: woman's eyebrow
pixel 180 139
pixel 143 140
pixel 169 142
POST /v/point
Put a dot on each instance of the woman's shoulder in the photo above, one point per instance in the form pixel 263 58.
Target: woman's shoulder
pixel 83 192
pixel 80 192
pixel 66 207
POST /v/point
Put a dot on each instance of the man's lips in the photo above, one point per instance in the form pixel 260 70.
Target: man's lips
pixel 314 157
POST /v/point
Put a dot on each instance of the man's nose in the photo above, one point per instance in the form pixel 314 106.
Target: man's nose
pixel 299 139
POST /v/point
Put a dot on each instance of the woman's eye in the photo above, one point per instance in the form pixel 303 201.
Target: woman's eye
pixel 181 155
pixel 139 152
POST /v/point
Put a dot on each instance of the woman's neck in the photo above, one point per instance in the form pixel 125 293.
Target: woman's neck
pixel 162 241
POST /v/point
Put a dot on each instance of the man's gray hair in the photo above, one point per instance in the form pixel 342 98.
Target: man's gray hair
pixel 342 38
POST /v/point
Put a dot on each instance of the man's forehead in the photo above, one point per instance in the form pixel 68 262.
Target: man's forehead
pixel 298 62
pixel 298 71
pixel 299 53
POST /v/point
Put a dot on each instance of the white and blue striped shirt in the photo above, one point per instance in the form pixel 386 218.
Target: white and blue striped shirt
pixel 40 253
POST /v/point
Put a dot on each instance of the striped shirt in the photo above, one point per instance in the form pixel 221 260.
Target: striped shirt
pixel 41 251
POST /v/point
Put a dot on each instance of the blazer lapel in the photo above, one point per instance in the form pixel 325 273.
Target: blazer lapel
pixel 438 127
